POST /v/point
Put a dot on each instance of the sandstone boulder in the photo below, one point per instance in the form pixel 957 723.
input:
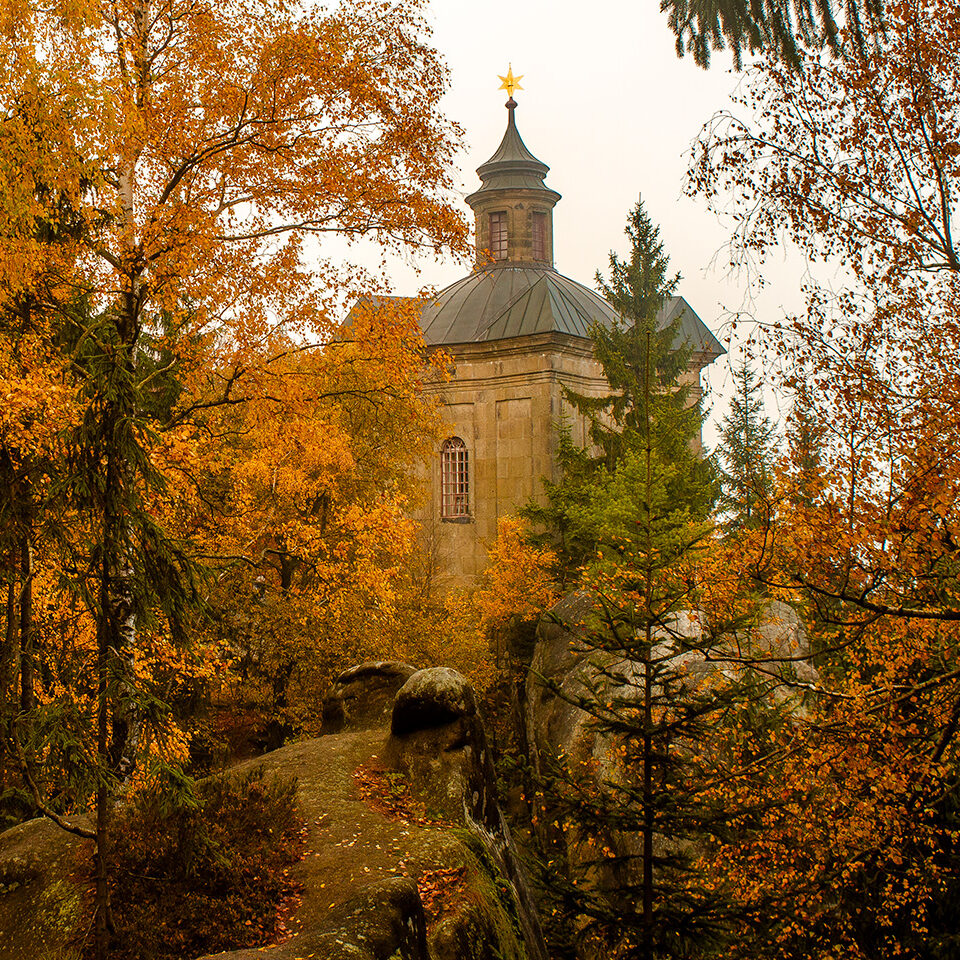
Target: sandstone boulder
pixel 437 741
pixel 359 875
pixel 362 697
pixel 565 667
pixel 385 921
pixel 43 892
pixel 432 698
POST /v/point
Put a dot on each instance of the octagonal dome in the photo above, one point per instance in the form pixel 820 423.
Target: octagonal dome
pixel 516 300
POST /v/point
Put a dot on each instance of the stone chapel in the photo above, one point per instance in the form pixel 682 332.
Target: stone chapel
pixel 518 332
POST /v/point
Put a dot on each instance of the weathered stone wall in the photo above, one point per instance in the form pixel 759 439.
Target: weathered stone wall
pixel 505 401
pixel 519 206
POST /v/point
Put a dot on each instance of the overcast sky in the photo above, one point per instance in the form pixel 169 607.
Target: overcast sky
pixel 609 106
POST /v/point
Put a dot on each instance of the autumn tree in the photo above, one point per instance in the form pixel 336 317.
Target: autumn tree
pixel 856 159
pixel 303 514
pixel 200 147
pixel 857 163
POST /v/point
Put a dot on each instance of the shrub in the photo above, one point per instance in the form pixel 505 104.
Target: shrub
pixel 202 871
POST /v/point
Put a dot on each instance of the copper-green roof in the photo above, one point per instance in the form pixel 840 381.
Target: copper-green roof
pixel 516 300
pixel 513 166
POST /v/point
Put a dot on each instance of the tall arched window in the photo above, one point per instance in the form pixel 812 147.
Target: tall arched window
pixel 454 479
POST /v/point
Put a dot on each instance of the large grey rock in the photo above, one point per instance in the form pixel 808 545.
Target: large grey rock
pixel 566 669
pixel 438 742
pixel 362 697
pixel 43 893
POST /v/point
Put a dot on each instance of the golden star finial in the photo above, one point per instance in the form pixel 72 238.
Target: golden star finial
pixel 510 82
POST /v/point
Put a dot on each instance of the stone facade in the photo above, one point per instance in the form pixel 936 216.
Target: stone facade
pixel 505 401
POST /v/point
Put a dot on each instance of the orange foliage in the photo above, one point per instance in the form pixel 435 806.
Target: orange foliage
pixel 168 173
pixel 519 580
pixel 855 853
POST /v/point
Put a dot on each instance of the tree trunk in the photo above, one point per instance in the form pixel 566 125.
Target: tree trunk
pixel 647 800
pixel 11 649
pixel 102 893
pixel 648 674
pixel 121 615
pixel 27 695
pixel 127 714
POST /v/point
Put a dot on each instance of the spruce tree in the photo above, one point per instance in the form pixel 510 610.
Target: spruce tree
pixel 806 437
pixel 635 817
pixel 633 513
pixel 782 28
pixel 746 454
pixel 597 497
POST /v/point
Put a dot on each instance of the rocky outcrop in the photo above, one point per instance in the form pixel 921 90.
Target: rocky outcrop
pixel 385 920
pixel 44 875
pixel 567 670
pixel 362 697
pixel 559 673
pixel 366 873
pixel 438 742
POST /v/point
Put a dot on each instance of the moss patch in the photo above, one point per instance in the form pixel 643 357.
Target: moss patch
pixel 42 892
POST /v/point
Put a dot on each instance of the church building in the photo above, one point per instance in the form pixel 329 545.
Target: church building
pixel 518 332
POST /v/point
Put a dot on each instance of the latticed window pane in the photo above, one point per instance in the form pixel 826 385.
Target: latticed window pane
pixel 498 235
pixel 539 226
pixel 454 479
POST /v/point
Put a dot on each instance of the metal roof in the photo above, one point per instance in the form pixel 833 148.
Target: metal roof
pixel 515 300
pixel 513 166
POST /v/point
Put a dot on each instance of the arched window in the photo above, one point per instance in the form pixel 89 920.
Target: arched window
pixel 454 480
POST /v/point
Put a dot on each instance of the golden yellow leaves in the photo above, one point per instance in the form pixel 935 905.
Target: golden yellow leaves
pixel 519 580
pixel 36 400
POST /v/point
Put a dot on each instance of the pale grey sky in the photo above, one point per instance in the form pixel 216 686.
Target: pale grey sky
pixel 613 111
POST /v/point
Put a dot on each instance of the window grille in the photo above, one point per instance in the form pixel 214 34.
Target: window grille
pixel 454 479
pixel 539 226
pixel 498 235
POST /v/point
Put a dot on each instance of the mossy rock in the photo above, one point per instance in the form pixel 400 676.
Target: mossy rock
pixel 360 868
pixel 358 876
pixel 42 892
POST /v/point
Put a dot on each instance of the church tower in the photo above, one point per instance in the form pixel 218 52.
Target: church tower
pixel 514 207
pixel 518 332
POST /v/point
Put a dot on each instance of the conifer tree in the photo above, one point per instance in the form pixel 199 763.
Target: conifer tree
pixel 636 812
pixel 746 453
pixel 632 512
pixel 782 28
pixel 597 497
pixel 806 436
